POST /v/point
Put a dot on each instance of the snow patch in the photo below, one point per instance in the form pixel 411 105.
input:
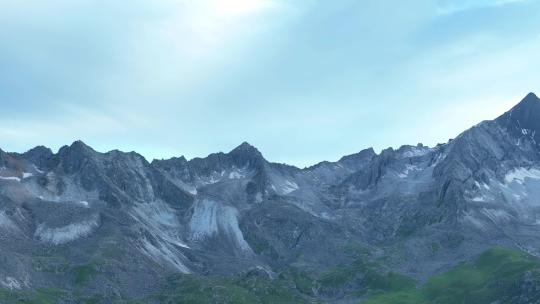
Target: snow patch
pixel 482 185
pixel 27 175
pixel 235 175
pixel 10 178
pixel 440 157
pixel 416 151
pixel 211 180
pixel 408 169
pixel 520 174
pixel 481 198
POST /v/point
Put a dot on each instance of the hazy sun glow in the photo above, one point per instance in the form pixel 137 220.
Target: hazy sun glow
pixel 230 8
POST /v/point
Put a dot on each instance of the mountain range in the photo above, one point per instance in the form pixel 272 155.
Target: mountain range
pixel 454 223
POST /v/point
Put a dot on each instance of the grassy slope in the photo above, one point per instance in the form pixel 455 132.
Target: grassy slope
pixel 245 289
pixel 362 278
pixel 491 277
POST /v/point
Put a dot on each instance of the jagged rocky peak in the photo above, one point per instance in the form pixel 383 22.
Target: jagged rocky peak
pixel 413 151
pixel 77 146
pixel 2 158
pixel 171 162
pixel 40 156
pixel 527 110
pixel 131 156
pixel 75 156
pixel 245 148
pixel 366 154
pixel 524 118
pixel 246 154
pixel 39 151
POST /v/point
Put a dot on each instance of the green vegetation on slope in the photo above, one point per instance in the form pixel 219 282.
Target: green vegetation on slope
pixel 493 276
pixel 362 277
pixel 368 276
pixel 38 296
pixel 240 289
pixel 83 273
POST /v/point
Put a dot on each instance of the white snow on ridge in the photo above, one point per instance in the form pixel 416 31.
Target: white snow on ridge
pixel 235 175
pixel 482 194
pixel 67 233
pixel 210 180
pixel 482 185
pixel 17 179
pixel 408 169
pixel 520 174
pixel 532 133
pixel 10 178
pixel 415 152
pixel 481 198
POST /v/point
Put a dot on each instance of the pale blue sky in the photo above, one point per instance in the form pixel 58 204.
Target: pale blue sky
pixel 302 80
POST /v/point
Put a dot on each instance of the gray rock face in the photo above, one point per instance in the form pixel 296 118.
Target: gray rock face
pixel 529 289
pixel 139 222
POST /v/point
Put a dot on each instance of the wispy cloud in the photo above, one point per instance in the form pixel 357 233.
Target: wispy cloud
pixel 453 7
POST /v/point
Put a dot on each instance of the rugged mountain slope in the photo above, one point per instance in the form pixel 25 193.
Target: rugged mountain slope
pixel 115 225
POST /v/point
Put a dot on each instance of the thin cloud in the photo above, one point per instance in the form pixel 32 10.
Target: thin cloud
pixel 467 5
